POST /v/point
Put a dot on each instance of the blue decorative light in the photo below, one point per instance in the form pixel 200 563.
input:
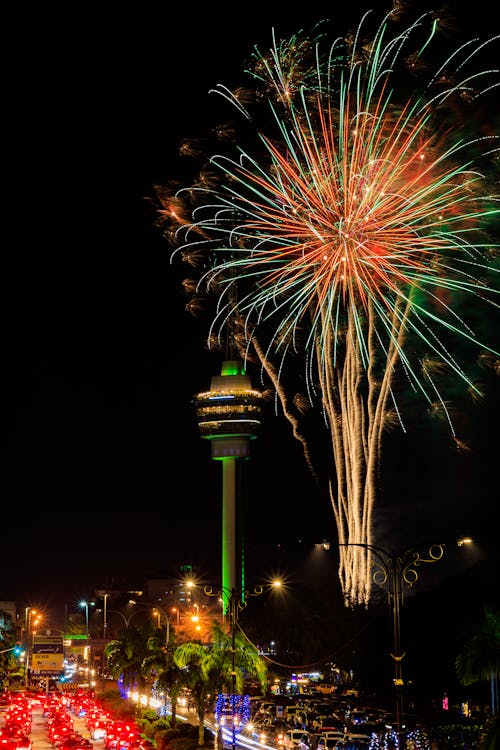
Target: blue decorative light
pixel 232 708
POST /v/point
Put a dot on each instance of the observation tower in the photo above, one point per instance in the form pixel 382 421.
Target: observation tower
pixel 229 415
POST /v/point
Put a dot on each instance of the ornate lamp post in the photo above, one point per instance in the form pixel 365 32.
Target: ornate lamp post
pixel 233 602
pixel 394 571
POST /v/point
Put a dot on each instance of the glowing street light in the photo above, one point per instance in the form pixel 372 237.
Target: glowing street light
pixel 105 617
pixel 233 602
pixel 85 605
pixel 176 612
pixel 29 613
pixel 158 611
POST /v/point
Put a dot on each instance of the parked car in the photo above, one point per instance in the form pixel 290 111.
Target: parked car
pixel 305 741
pixel 331 743
pixel 332 734
pixel 324 722
pixel 357 740
pixel 267 708
pixel 292 738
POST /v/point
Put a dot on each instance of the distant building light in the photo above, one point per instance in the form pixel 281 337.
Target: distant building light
pixel 323 545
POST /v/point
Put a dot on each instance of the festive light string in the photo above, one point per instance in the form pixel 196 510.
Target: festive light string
pixel 353 234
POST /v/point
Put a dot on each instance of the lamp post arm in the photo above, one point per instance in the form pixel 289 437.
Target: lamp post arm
pixel 167 621
pixel 4 651
pixel 405 564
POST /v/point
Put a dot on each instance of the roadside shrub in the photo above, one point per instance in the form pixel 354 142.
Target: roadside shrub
pixel 186 729
pixel 148 716
pixel 166 735
pixel 162 723
pixel 149 731
pixel 124 711
pixel 183 743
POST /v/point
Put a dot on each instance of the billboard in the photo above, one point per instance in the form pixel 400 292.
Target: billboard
pixel 47 655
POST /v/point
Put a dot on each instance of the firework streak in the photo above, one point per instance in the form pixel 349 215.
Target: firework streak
pixel 350 236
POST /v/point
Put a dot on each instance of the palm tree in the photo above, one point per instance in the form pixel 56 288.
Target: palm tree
pixel 169 677
pixel 479 662
pixel 125 657
pixel 9 665
pixel 209 668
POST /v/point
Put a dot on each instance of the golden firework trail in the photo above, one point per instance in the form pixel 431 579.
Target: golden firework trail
pixel 355 229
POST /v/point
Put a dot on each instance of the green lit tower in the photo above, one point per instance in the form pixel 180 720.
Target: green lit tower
pixel 229 415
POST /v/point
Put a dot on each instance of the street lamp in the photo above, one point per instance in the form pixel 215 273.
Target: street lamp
pixel 85 605
pixel 158 615
pixel 158 611
pixel 125 619
pixel 394 570
pixel 176 612
pixel 105 617
pixel 233 602
pixel 29 612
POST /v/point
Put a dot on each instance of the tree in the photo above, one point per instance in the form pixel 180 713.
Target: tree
pixel 125 657
pixel 9 665
pixel 209 668
pixel 480 662
pixel 169 677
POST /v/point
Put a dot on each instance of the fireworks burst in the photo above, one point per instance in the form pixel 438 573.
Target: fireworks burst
pixel 351 235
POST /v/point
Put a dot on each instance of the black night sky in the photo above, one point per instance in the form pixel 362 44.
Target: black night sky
pixel 105 476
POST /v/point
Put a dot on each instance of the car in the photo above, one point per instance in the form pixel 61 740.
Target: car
pixel 258 732
pixel 121 734
pixel 141 745
pixel 292 712
pixel 324 722
pixel 17 735
pixel 75 743
pixel 8 743
pixel 305 741
pixel 331 743
pixel 98 728
pixel 332 734
pixel 292 738
pixel 267 708
pixel 58 732
pixel 357 740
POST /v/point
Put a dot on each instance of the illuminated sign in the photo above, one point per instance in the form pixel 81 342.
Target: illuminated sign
pixel 47 655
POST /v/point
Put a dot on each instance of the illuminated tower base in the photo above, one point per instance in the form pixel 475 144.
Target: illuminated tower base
pixel 229 415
